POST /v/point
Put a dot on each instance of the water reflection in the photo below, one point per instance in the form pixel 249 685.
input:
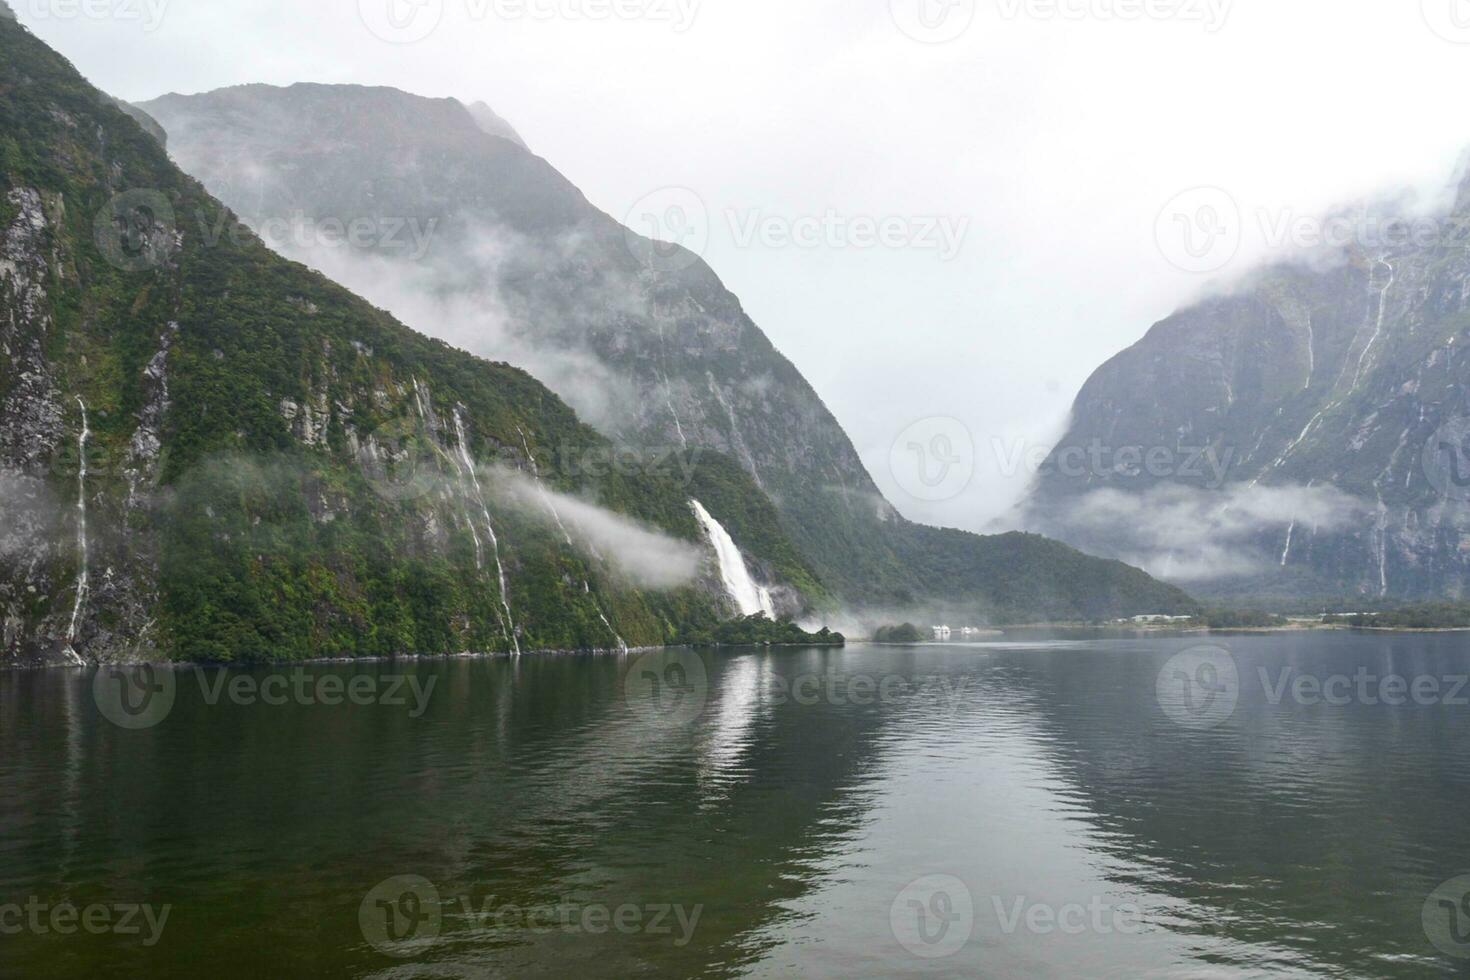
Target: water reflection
pixel 1041 774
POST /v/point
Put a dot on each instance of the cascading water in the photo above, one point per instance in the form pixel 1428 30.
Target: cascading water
pixel 469 467
pixel 82 575
pixel 749 596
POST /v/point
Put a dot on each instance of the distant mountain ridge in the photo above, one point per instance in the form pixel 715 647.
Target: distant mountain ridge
pixel 525 267
pixel 1336 387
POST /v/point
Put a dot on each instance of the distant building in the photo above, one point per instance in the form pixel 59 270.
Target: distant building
pixel 942 632
pixel 1160 618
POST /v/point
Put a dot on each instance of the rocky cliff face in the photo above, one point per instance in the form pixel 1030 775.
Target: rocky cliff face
pixel 1328 397
pixel 644 340
pixel 209 452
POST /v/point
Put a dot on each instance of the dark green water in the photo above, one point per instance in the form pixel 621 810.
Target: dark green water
pixel 1024 808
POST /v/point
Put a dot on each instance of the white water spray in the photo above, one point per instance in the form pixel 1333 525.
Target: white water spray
pixel 82 575
pixel 750 597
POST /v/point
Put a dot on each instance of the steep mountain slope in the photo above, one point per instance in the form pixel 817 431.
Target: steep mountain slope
pixel 1332 396
pixel 644 340
pixel 209 452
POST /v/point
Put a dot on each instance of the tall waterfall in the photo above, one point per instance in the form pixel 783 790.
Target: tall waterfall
pixel 82 576
pixel 749 596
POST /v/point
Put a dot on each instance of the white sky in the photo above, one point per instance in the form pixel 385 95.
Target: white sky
pixel 1059 139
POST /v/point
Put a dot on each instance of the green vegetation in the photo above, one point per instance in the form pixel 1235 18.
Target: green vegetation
pixel 1425 616
pixel 263 536
pixel 1236 619
pixel 906 633
pixel 759 630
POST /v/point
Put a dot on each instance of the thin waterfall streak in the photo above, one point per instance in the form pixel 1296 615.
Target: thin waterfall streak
pixel 469 465
pixel 556 516
pixel 83 576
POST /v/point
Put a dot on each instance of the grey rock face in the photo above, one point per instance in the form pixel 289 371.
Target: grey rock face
pixel 1349 375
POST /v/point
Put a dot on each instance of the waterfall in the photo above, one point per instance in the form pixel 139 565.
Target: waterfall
pixel 469 465
pixel 82 579
pixel 748 596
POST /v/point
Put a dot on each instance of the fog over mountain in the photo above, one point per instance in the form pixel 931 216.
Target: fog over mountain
pixel 1060 139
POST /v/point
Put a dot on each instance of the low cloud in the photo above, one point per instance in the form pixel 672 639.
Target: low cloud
pixel 648 557
pixel 1185 534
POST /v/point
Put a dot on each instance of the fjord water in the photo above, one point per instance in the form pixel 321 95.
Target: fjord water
pixel 1024 806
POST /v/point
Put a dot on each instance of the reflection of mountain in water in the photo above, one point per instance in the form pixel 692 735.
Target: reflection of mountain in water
pixel 527 783
pixel 1307 835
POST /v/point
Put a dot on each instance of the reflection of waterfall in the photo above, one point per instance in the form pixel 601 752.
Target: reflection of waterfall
pixel 748 596
pixel 82 580
pixel 556 516
pixel 469 465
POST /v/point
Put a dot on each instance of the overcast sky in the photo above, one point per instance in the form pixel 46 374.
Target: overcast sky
pixel 1052 133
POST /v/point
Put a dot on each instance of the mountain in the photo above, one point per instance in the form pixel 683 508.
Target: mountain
pixel 208 452
pixel 1331 391
pixel 502 253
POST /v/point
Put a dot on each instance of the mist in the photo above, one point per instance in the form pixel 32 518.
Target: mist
pixel 1184 534
pixel 646 556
